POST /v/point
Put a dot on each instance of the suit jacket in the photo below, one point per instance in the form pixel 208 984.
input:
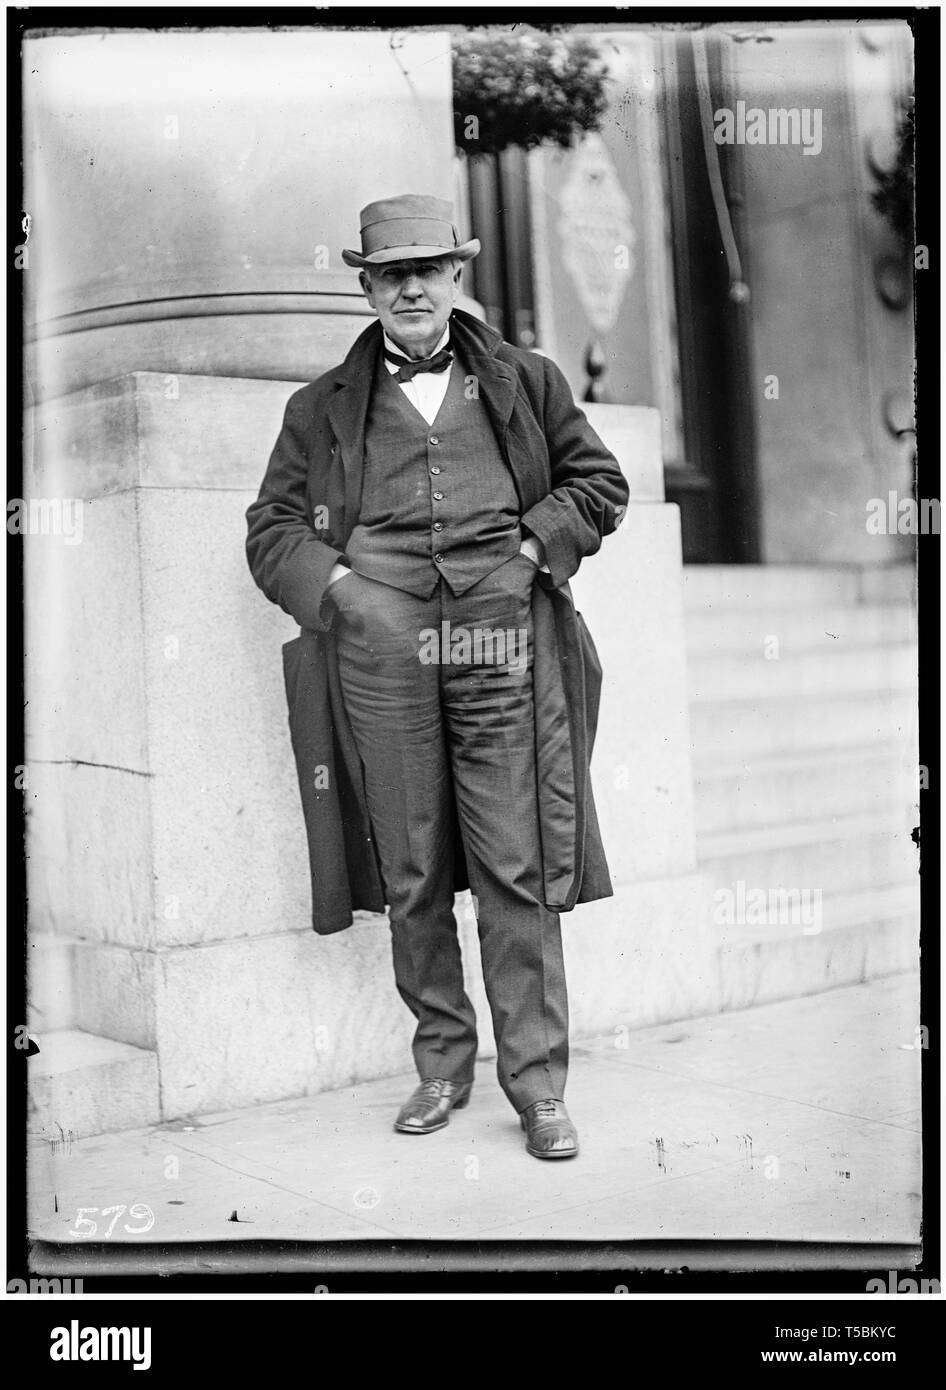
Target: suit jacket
pixel 571 492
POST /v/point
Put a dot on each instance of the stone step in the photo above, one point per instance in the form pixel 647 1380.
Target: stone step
pixel 824 628
pixel 706 587
pixel 722 730
pixel 96 987
pixel 836 855
pixel 802 674
pixel 802 786
pixel 81 1084
pixel 864 935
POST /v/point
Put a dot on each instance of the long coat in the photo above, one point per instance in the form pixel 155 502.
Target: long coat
pixel 571 492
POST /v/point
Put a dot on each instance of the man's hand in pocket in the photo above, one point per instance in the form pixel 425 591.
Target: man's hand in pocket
pixel 533 549
pixel 336 573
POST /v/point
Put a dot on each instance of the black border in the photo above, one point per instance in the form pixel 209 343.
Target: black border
pixel 431 1267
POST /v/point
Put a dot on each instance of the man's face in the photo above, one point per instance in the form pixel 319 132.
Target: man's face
pixel 413 300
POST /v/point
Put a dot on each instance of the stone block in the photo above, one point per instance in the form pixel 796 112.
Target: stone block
pixel 90 864
pixel 279 1015
pixel 50 988
pixel 115 992
pixel 632 433
pixel 630 595
pixel 80 1084
pixel 83 627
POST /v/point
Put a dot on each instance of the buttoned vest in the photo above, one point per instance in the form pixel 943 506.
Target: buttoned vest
pixel 436 499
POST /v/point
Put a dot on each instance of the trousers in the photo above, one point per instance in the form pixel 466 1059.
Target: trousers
pixel 439 695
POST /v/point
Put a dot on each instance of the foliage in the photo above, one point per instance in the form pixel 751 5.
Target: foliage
pixel 525 89
pixel 893 196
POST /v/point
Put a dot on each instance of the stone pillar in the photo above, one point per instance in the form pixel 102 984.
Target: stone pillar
pixel 190 193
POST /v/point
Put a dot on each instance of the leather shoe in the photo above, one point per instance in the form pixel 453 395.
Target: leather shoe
pixel 549 1131
pixel 429 1107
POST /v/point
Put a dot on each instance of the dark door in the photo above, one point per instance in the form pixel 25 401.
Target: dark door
pixel 715 483
pixel 502 272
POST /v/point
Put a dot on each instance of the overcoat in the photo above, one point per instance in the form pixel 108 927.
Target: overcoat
pixel 572 493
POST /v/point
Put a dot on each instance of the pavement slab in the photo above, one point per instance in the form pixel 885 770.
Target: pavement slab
pixel 793 1121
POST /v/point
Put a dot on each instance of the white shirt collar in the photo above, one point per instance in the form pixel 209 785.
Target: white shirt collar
pixel 393 347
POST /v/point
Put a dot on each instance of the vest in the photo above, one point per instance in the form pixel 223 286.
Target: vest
pixel 437 500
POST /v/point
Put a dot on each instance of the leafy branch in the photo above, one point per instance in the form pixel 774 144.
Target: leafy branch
pixel 524 90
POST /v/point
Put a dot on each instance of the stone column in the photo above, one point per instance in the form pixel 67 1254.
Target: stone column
pixel 190 193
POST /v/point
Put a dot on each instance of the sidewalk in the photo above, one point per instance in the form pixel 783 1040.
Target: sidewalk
pixel 795 1121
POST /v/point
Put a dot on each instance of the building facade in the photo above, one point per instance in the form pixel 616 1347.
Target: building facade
pixel 189 197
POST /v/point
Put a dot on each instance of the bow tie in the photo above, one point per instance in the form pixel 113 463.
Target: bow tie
pixel 407 370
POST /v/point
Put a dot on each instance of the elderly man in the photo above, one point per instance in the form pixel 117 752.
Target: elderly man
pixel 424 507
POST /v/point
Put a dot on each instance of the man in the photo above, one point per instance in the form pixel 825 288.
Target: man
pixel 423 508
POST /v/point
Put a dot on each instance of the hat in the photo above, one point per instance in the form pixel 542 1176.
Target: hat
pixel 409 228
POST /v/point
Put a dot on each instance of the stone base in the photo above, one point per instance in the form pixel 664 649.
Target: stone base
pixel 289 1014
pixel 292 1014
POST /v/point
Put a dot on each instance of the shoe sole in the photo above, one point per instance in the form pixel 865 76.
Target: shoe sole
pixel 432 1129
pixel 552 1153
pixel 413 1129
pixel 547 1153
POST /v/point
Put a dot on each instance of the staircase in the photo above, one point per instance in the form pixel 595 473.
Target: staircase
pixel 802 690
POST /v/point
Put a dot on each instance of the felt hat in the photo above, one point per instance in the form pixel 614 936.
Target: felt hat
pixel 410 227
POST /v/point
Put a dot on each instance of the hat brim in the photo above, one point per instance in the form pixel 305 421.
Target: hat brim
pixel 465 252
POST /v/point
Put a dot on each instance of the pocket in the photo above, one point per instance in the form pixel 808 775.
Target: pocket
pixel 521 555
pixel 335 593
pixel 333 588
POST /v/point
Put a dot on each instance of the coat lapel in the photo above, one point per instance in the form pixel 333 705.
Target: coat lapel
pixel 348 412
pixel 500 388
pixel 498 381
